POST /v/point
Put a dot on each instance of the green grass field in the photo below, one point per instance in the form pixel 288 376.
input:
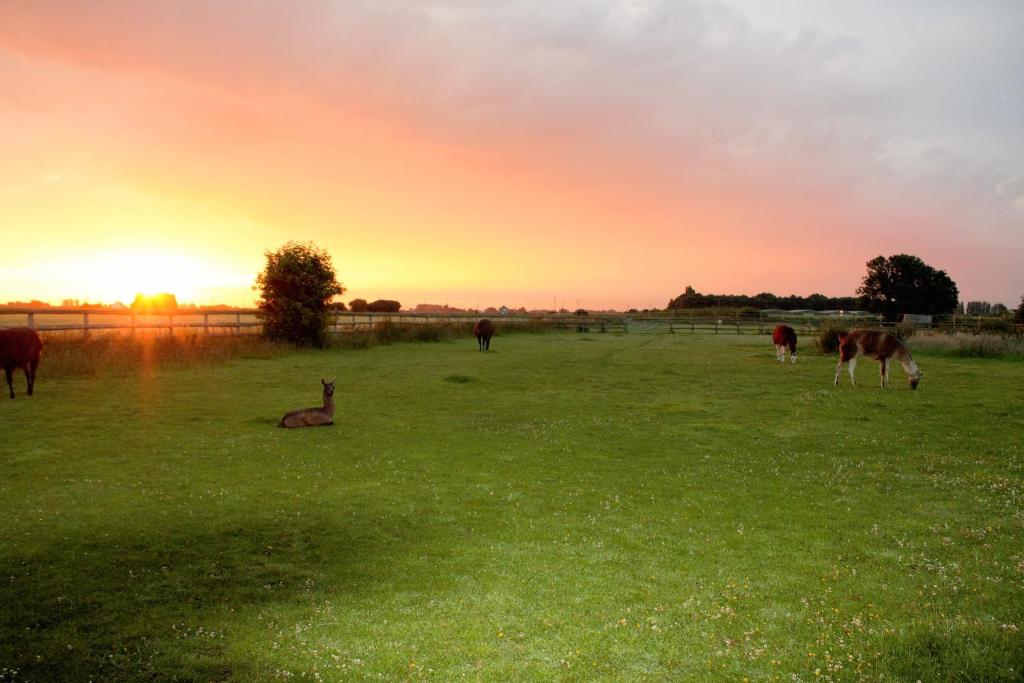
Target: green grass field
pixel 565 507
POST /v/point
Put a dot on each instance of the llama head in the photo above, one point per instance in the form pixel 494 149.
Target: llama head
pixel 915 379
pixel 328 387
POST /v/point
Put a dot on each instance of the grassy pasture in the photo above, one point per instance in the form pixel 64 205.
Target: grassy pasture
pixel 565 507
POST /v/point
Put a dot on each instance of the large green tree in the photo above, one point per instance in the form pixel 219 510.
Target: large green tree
pixel 296 287
pixel 906 284
pixel 1019 315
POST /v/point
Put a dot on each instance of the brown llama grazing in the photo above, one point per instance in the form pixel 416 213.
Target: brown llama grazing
pixel 883 347
pixel 313 417
pixel 20 347
pixel 784 336
pixel 483 330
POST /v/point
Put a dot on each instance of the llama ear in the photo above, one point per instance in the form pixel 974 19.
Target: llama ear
pixel 323 382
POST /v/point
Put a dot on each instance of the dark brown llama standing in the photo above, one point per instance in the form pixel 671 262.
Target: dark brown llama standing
pixel 20 347
pixel 483 330
pixel 883 347
pixel 313 417
pixel 784 336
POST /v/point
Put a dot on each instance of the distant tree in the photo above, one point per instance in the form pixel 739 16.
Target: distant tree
pixel 999 309
pixel 384 306
pixel 296 287
pixel 581 311
pixel 357 305
pixel 906 284
pixel 978 308
pixel 337 306
pixel 153 303
pixel 1019 315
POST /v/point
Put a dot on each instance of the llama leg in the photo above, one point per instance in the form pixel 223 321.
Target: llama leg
pixel 839 368
pixel 792 354
pixel 33 366
pixel 10 380
pixel 882 370
pixel 28 377
pixel 853 366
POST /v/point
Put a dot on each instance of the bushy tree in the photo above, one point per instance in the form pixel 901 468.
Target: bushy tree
pixel 1019 315
pixel 296 287
pixel 384 306
pixel 357 305
pixel 906 284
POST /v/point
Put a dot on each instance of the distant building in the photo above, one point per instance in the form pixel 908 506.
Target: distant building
pixel 917 319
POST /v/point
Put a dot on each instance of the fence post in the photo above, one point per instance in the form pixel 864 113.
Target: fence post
pixel 31 319
pixel 170 324
pixel 133 324
pixel 85 324
pixel 206 323
pixel 238 323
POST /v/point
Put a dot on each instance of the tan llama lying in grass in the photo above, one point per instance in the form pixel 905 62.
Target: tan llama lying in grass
pixel 313 417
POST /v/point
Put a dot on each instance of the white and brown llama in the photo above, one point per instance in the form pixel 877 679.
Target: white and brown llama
pixel 883 347
pixel 784 337
pixel 313 417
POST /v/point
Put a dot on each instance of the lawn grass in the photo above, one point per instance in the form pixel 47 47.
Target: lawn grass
pixel 564 507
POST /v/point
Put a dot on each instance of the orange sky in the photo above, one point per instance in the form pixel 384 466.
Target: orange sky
pixel 603 153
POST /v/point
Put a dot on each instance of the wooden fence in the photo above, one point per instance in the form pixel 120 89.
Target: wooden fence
pixel 245 321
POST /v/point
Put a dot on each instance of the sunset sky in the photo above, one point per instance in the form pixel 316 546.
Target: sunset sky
pixel 605 152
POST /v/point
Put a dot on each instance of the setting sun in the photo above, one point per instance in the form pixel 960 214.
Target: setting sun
pixel 121 274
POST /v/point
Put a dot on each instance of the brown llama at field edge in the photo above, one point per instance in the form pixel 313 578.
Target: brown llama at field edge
pixel 883 347
pixel 784 336
pixel 313 417
pixel 483 330
pixel 20 348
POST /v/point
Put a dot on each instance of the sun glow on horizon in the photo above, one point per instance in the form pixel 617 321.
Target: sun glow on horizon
pixel 121 274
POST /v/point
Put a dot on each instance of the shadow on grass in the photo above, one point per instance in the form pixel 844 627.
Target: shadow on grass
pixel 984 654
pixel 162 605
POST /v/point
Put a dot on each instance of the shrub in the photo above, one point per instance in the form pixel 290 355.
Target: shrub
pixel 996 326
pixel 904 330
pixel 296 286
pixel 827 340
pixel 748 313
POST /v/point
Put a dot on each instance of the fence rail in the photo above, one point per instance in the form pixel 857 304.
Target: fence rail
pixel 245 321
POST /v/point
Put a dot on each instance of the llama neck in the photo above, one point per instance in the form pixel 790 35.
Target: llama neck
pixel 907 362
pixel 328 404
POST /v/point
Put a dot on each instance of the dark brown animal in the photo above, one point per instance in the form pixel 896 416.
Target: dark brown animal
pixel 313 417
pixel 20 347
pixel 483 330
pixel 883 347
pixel 784 336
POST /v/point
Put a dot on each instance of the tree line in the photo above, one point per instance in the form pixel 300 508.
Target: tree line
pixel 891 287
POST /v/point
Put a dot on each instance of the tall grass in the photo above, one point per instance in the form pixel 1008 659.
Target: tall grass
pixel 963 345
pixel 65 355
pixel 72 356
pixel 387 332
